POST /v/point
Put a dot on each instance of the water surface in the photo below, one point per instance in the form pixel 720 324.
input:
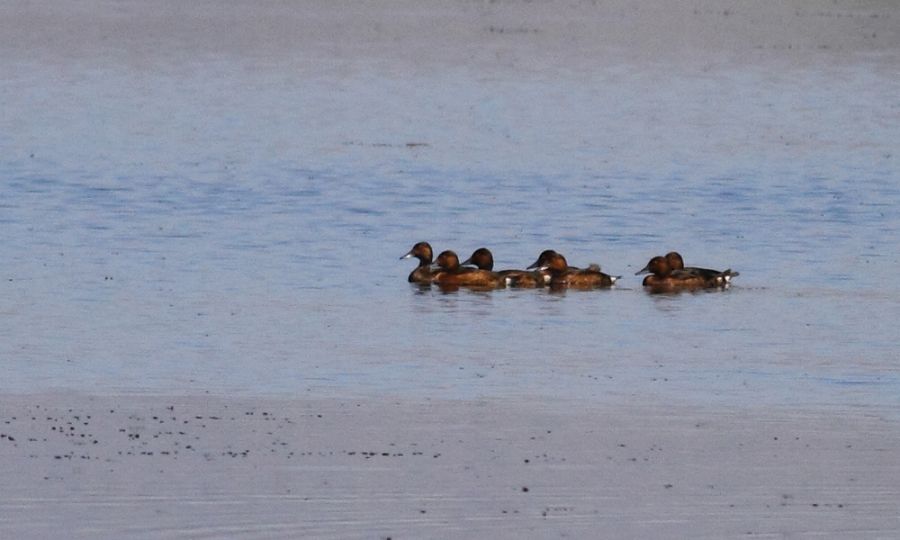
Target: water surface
pixel 229 225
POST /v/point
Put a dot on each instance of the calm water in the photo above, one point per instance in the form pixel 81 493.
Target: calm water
pixel 236 228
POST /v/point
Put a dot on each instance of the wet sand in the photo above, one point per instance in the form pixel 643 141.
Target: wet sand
pixel 161 467
pixel 410 35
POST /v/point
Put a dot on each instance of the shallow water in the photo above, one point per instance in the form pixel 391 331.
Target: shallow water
pixel 234 227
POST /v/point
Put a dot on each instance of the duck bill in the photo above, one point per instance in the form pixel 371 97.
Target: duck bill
pixel 644 270
pixel 535 264
pixel 467 262
pixel 407 256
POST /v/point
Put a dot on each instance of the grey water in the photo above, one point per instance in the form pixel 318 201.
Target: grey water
pixel 235 228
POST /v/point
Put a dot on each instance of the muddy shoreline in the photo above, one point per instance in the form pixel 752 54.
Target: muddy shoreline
pixel 163 467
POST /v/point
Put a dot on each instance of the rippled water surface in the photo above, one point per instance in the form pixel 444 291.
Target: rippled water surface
pixel 233 227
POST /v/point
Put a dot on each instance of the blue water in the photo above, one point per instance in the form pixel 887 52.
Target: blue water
pixel 229 227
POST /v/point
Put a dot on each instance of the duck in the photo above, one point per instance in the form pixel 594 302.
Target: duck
pixel 483 259
pixel 715 277
pixel 422 273
pixel 563 276
pixel 449 273
pixel 547 254
pixel 544 258
pixel 664 279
